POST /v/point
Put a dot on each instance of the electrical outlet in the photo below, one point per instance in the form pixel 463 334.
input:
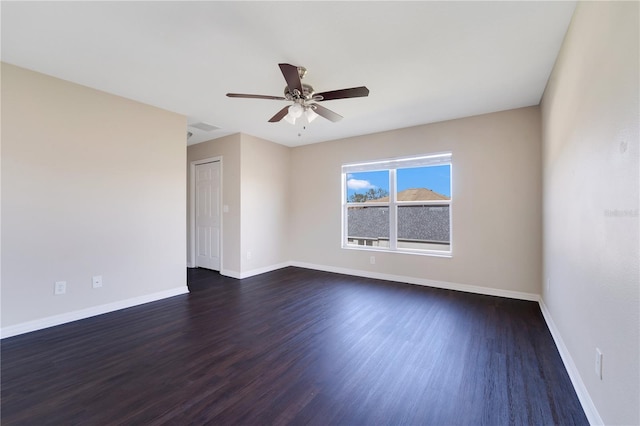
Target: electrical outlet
pixel 599 363
pixel 97 281
pixel 248 255
pixel 372 260
pixel 60 288
pixel 548 284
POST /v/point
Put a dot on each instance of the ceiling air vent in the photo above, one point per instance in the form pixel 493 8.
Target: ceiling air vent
pixel 204 126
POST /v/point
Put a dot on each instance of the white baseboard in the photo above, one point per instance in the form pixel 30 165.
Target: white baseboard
pixel 424 282
pixel 39 324
pixel 581 390
pixel 230 273
pixel 253 272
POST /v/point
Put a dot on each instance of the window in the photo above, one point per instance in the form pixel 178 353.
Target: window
pixel 401 205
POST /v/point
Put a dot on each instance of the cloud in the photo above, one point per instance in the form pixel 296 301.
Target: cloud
pixel 359 184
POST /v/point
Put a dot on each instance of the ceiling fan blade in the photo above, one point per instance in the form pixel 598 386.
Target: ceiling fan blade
pixel 244 95
pixel 279 115
pixel 326 113
pixel 291 75
pixel 354 92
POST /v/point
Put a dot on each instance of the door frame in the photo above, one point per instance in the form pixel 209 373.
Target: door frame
pixel 192 209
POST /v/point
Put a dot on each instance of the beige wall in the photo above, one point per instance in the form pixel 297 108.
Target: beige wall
pixel 92 184
pixel 591 200
pixel 228 148
pixel 496 201
pixel 265 204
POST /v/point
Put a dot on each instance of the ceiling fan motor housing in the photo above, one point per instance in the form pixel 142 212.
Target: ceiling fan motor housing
pixel 306 95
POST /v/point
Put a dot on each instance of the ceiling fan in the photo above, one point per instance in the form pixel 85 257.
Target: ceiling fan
pixel 304 98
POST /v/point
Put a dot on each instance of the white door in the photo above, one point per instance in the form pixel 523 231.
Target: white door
pixel 207 182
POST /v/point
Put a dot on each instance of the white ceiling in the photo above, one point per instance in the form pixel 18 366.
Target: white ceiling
pixel 422 61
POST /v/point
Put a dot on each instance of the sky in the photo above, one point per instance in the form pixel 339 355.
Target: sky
pixel 435 178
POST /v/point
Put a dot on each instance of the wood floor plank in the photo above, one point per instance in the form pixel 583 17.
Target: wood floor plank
pixel 294 346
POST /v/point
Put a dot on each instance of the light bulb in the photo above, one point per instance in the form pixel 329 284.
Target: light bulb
pixel 295 110
pixel 290 119
pixel 310 114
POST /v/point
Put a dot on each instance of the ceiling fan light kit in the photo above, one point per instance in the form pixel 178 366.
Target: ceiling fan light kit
pixel 304 97
pixel 296 111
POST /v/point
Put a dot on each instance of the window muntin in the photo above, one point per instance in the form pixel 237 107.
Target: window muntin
pixel 398 205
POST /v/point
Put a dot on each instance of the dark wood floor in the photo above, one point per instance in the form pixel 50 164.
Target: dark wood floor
pixel 294 346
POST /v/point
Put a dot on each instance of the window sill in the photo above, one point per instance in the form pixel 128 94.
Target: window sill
pixel 445 254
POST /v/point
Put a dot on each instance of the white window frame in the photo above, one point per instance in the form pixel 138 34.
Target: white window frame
pixel 392 165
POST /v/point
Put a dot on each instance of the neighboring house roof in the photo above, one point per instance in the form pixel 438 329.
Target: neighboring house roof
pixel 416 194
pixel 420 222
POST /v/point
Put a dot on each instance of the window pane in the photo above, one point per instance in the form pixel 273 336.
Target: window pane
pixel 368 186
pixel 424 227
pixel 424 183
pixel 368 226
